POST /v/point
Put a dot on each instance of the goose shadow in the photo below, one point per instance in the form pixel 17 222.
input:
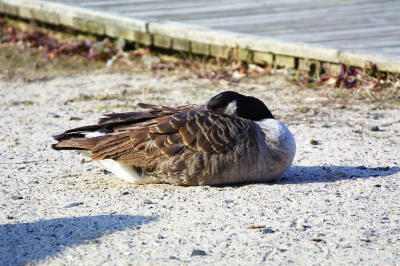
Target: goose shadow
pixel 332 173
pixel 21 243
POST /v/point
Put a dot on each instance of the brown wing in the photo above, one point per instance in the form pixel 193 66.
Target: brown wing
pixel 136 117
pixel 166 136
pixel 111 122
pixel 142 139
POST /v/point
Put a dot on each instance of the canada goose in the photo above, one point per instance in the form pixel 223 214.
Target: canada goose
pixel 232 139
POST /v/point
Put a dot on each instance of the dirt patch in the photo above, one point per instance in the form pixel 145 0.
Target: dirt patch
pixel 31 53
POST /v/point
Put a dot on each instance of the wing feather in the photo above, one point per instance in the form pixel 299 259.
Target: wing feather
pixel 142 138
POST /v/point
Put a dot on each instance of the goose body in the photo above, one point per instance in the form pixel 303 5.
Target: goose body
pixel 233 139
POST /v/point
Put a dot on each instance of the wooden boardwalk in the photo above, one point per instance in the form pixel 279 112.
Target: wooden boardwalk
pixel 292 33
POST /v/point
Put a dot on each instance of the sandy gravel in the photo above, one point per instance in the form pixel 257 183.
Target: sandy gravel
pixel 338 204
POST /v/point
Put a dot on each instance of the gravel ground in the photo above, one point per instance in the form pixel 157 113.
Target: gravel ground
pixel 338 204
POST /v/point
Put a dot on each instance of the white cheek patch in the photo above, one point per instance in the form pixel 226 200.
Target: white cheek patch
pixel 231 108
pixel 94 134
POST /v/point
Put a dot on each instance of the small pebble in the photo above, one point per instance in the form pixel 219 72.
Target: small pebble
pixel 342 123
pixel 256 226
pixel 16 197
pixel 125 193
pixel 368 233
pixel 146 201
pixel 54 115
pixel 375 128
pixel 198 252
pixel 21 102
pixel 317 240
pixel 303 227
pixel 377 116
pixel 268 231
pixel 73 204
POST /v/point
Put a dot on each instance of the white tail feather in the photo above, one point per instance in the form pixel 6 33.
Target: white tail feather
pixel 127 172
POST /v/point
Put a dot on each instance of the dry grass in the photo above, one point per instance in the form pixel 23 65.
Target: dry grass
pixel 30 53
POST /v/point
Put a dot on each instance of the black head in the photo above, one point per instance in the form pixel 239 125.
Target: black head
pixel 236 104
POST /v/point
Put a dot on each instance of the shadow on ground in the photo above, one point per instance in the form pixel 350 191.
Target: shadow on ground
pixel 311 174
pixel 26 242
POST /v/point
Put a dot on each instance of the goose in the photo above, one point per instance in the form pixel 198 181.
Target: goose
pixel 232 139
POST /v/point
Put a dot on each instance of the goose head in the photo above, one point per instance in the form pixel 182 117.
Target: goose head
pixel 235 104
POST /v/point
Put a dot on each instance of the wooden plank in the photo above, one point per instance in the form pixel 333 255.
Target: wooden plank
pixel 311 34
pixel 273 29
pixel 145 5
pixel 200 48
pixel 162 41
pixel 136 10
pixel 263 58
pixel 352 33
pixel 204 9
pixel 75 17
pixel 10 9
pixel 226 9
pixel 341 34
pixel 295 28
pixel 242 54
pixel 358 59
pixel 391 52
pixel 330 68
pixel 284 60
pixel 51 16
pixel 98 3
pixel 268 45
pixel 219 51
pixel 366 43
pixel 181 44
pixel 143 38
pixel 215 12
pixel 178 4
pixel 299 15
